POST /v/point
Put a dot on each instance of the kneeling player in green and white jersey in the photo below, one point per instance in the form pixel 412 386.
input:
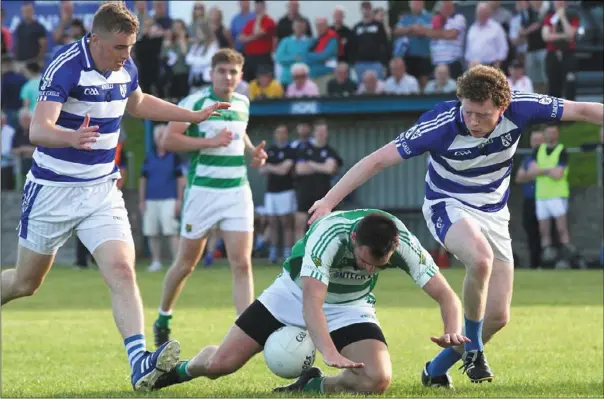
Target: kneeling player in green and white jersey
pixel 218 193
pixel 326 287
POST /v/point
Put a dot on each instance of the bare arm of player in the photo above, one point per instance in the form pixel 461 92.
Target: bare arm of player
pixel 44 131
pixel 146 106
pixel 314 293
pixel 362 171
pixel 583 112
pixel 450 310
pixel 175 139
pixel 257 153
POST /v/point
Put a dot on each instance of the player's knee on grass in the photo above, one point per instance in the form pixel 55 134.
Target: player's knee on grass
pixel 373 380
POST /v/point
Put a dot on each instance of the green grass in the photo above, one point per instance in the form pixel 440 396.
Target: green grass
pixel 62 342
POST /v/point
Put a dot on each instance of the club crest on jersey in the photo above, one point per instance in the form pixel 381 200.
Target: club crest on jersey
pixel 545 100
pixel 413 133
pixel 123 90
pixel 317 261
pixel 506 139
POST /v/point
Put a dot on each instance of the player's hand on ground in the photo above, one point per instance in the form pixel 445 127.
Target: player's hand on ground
pixel 222 139
pixel 340 362
pixel 212 110
pixel 448 340
pixel 83 138
pixel 319 209
pixel 259 156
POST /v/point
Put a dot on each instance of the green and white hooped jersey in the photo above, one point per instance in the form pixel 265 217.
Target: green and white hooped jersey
pixel 326 254
pixel 224 167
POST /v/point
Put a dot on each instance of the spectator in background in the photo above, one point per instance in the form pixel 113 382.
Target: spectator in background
pixel 23 149
pixel 379 15
pixel 243 88
pixel 7 37
pixel 280 197
pixel 285 26
pixel 559 30
pixel 301 86
pixel 29 91
pixel 529 213
pixel 323 54
pixel 198 17
pixel 370 84
pixel 517 79
pixel 8 172
pixel 12 82
pixel 500 14
pixel 161 190
pixel 258 35
pixel 66 14
pixel 442 82
pixel 238 23
pixel 532 23
pixel 147 51
pixel 316 165
pixel 141 11
pixel 516 38
pixel 341 84
pixel 400 82
pixel 222 34
pixel 30 39
pixel 447 38
pixel 160 15
pixel 345 35
pixel 199 57
pixel 413 47
pixel 265 86
pixel 292 50
pixel 174 50
pixel 370 49
pixel 487 42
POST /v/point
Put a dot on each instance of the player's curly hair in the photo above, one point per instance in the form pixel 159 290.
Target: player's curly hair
pixel 482 82
pixel 114 17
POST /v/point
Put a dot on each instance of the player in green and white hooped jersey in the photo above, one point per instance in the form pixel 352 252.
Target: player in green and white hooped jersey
pixel 326 287
pixel 218 193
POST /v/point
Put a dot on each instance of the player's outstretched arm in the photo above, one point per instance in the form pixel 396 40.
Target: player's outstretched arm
pixel 44 131
pixel 450 309
pixel 583 112
pixel 175 139
pixel 314 293
pixel 146 106
pixel 362 171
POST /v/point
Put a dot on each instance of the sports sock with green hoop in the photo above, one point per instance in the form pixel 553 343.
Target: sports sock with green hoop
pixel 183 374
pixel 314 385
pixel 163 320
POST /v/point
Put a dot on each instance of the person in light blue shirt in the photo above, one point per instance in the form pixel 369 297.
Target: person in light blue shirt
pixel 239 21
pixel 293 49
pixel 415 49
pixel 29 91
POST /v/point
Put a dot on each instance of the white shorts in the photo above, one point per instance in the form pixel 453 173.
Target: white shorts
pixel 441 214
pixel 160 218
pixel 284 300
pixel 50 214
pixel 228 209
pixel 551 208
pixel 280 204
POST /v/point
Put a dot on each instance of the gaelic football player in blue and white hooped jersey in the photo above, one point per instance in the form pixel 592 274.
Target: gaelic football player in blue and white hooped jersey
pixel 218 193
pixel 84 93
pixel 471 142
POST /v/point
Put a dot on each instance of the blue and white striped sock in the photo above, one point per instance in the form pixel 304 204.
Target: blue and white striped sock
pixel 135 347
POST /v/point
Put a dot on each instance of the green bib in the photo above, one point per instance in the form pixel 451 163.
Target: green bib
pixel 545 186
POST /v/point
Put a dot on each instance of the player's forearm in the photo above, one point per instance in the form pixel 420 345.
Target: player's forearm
pixel 156 109
pixel 591 112
pixel 47 135
pixel 182 143
pixel 249 146
pixel 451 313
pixel 316 323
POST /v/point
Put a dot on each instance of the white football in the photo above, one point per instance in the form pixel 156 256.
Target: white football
pixel 289 351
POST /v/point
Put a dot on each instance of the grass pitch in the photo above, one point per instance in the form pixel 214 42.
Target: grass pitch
pixel 62 342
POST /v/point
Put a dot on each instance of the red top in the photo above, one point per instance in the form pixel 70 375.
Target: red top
pixel 553 21
pixel 264 45
pixel 7 38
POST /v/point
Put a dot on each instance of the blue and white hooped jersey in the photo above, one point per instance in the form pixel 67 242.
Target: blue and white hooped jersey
pixel 71 79
pixel 474 171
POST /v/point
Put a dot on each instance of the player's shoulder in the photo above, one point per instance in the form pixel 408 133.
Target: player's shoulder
pixel 195 99
pixel 130 67
pixel 69 58
pixel 442 119
pixel 241 97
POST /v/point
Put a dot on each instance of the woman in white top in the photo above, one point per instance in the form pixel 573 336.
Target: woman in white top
pixel 517 79
pixel 199 57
